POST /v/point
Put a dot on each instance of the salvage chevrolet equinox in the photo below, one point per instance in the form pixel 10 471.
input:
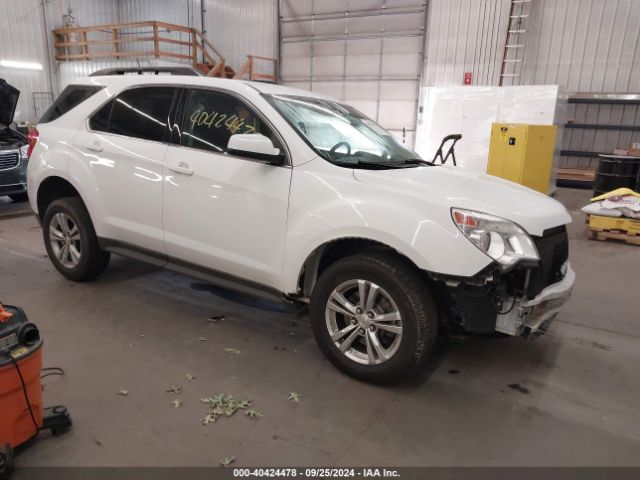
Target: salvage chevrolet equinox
pixel 280 191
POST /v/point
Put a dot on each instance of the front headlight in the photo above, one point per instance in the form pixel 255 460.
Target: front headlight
pixel 23 152
pixel 502 240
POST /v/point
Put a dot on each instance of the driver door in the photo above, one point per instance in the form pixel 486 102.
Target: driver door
pixel 220 211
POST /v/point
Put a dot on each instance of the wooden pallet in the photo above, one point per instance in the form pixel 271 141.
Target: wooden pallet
pixel 615 235
pixel 619 229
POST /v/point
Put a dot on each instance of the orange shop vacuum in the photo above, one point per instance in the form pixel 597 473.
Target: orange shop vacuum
pixel 22 416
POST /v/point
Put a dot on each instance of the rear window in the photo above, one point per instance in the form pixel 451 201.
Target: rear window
pixel 71 97
pixel 138 113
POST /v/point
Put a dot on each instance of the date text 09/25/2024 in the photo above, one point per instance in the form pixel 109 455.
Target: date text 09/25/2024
pixel 316 473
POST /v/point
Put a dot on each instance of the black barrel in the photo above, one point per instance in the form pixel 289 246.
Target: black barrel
pixel 616 172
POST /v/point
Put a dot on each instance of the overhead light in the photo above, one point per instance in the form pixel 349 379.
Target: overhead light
pixel 22 65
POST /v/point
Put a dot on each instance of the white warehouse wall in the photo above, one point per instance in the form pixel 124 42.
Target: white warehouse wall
pixel 235 27
pixel 239 28
pixel 465 36
pixel 25 36
pixel 585 45
pixel 582 45
pixel 22 38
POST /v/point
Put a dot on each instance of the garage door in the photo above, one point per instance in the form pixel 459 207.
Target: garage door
pixel 365 52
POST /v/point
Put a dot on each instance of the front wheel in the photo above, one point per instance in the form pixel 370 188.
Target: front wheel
pixel 71 241
pixel 373 317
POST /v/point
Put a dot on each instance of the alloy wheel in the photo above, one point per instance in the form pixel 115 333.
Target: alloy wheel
pixel 65 241
pixel 364 322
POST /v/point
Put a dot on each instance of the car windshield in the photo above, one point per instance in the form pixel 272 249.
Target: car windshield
pixel 342 135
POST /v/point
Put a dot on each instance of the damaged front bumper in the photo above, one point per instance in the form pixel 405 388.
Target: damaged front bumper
pixel 533 317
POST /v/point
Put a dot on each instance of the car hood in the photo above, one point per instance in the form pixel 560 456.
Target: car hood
pixel 448 187
pixel 8 100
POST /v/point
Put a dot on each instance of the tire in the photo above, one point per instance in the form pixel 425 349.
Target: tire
pixel 398 292
pixel 19 197
pixel 85 260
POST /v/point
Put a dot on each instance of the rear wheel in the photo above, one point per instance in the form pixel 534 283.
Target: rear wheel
pixel 71 241
pixel 373 317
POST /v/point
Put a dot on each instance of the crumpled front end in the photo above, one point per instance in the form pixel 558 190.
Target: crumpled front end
pixel 534 316
pixel 522 301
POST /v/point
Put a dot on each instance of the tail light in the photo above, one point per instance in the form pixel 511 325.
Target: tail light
pixel 32 139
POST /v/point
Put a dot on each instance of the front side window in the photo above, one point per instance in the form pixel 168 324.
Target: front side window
pixel 341 134
pixel 138 113
pixel 210 118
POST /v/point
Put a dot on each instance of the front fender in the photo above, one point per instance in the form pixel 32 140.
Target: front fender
pixel 328 204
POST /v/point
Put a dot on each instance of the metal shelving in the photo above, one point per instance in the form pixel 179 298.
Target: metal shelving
pixel 595 136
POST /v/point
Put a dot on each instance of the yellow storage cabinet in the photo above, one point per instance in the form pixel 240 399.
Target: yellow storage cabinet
pixel 522 153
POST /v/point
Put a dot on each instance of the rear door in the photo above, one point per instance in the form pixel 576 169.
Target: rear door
pixel 125 145
pixel 224 212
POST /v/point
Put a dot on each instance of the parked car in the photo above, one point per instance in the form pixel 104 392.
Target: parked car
pixel 13 147
pixel 279 191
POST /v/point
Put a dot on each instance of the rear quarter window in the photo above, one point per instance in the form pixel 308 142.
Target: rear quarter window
pixel 71 97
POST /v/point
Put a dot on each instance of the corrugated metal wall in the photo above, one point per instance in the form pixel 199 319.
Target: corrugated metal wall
pixel 588 46
pixel 581 45
pixel 22 39
pixel 179 12
pixel 465 36
pixel 87 12
pixel 585 45
pixel 235 27
pixel 238 28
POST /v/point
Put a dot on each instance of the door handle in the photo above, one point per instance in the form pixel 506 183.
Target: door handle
pixel 182 167
pixel 94 147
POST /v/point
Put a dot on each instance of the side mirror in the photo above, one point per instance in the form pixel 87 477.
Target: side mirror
pixel 256 146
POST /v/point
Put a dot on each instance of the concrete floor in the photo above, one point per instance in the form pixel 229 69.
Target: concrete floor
pixel 138 328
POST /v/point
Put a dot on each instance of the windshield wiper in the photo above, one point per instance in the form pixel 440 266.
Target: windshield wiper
pixel 418 161
pixel 370 163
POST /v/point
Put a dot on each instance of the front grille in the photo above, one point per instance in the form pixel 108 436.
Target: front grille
pixel 9 160
pixel 553 247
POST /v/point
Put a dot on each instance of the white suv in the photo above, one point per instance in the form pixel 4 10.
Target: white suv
pixel 285 192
